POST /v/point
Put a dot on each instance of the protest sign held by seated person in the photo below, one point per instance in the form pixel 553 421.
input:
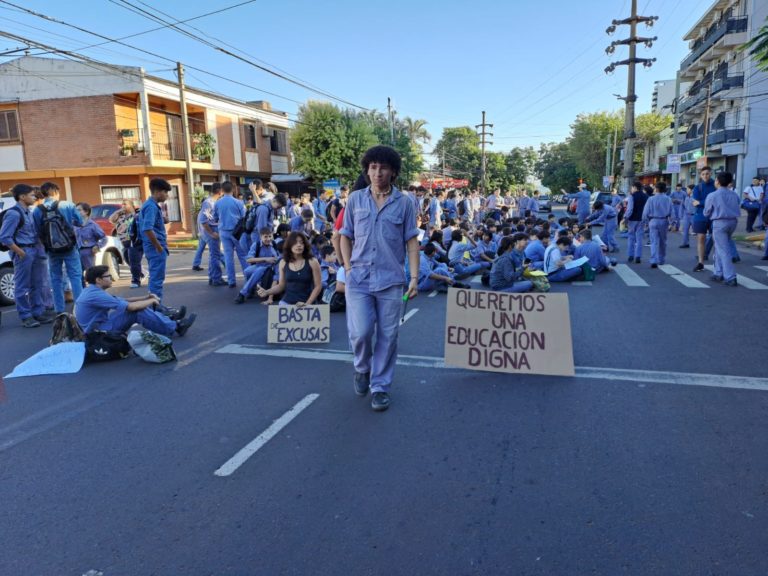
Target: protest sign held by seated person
pixel 299 324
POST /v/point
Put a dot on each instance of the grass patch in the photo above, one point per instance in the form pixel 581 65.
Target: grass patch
pixel 183 243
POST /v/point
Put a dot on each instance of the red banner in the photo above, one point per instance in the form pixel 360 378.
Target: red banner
pixel 445 183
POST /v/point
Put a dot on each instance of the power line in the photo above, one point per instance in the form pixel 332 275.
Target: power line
pixel 152 17
pixel 155 55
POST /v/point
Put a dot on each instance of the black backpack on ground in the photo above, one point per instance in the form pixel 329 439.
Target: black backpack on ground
pixel 105 346
pixel 3 247
pixel 56 233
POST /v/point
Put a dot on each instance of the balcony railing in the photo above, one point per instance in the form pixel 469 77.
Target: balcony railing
pixel 691 101
pixel 713 138
pixel 725 26
pixel 718 85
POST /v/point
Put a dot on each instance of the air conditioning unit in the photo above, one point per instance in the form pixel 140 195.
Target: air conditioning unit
pixel 266 132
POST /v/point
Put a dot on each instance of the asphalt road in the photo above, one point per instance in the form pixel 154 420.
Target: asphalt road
pixel 112 470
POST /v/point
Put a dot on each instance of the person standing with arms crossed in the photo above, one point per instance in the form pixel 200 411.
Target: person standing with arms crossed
pixel 153 234
pixel 379 225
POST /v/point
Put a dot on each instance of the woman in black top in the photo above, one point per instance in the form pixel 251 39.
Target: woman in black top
pixel 300 279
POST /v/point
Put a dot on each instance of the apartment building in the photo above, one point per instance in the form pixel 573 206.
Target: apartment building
pixel 723 117
pixel 102 132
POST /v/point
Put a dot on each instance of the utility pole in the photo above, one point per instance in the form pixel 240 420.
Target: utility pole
pixel 631 97
pixel 187 148
pixel 483 134
pixel 391 118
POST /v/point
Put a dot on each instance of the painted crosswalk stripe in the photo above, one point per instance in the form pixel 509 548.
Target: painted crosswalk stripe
pixel 581 283
pixel 231 465
pixel 763 268
pixel 408 315
pixel 748 283
pixel 682 277
pixel 629 276
pixel 432 294
pixel 592 373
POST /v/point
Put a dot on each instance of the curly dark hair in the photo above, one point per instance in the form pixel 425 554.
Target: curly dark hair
pixel 382 155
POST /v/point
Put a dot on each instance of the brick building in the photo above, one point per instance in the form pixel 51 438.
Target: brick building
pixel 102 132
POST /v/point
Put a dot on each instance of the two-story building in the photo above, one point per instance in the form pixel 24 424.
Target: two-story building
pixel 101 132
pixel 723 118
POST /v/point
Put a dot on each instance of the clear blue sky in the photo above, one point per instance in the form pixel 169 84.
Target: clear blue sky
pixel 533 66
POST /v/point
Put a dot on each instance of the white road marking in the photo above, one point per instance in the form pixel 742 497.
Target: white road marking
pixel 408 316
pixel 682 277
pixel 476 280
pixel 748 283
pixel 231 465
pixel 763 268
pixel 629 276
pixel 581 283
pixel 613 374
pixel 432 294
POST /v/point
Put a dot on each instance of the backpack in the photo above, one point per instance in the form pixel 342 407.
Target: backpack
pixel 3 247
pixel 239 228
pixel 66 329
pixel 151 347
pixel 337 302
pixel 485 279
pixel 250 219
pixel 105 346
pixel 56 233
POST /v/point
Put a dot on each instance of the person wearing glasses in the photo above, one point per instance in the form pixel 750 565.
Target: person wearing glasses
pixel 98 310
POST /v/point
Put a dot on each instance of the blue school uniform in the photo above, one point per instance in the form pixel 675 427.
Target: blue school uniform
pixel 255 272
pixel 582 198
pixel 678 198
pixel 151 218
pixel 98 310
pixel 594 253
pixel 634 217
pixel 534 251
pixel 722 207
pixel 89 236
pixel 206 216
pixel 28 272
pixel 375 283
pixel 507 274
pixel 657 212
pixel 228 211
pixel 427 266
pixel 607 217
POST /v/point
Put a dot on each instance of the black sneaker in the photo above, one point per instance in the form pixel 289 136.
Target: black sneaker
pixel 463 285
pixel 685 246
pixel 654 265
pixel 174 314
pixel 735 259
pixel 216 283
pixel 30 322
pixel 362 383
pixel 699 267
pixel 44 319
pixel 183 325
pixel 380 401
pixel 240 299
pixel 637 261
pixel 716 278
pixel 197 268
pixel 732 282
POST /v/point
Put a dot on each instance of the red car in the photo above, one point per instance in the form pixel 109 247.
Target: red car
pixel 101 213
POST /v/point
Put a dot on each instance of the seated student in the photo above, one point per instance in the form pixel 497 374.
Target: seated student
pixel 459 256
pixel 319 241
pixel 90 237
pixel 507 270
pixel 555 260
pixel 553 224
pixel 447 232
pixel 593 251
pixel 605 214
pixel 304 222
pixel 535 249
pixel 300 279
pixel 485 248
pixel 98 310
pixel 262 259
pixel 329 265
pixel 441 254
pixel 281 234
pixel 434 275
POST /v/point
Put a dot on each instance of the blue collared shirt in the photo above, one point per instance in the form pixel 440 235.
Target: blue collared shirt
pixel 90 234
pixel 379 236
pixel 206 216
pixel 26 235
pixel 582 200
pixel 297 224
pixel 94 305
pixel 151 218
pixel 228 212
pixel 722 204
pixel 535 251
pixel 659 206
pixel 700 193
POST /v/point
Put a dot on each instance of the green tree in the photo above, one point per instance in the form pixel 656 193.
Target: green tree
pixel 587 141
pixel 496 171
pixel 521 164
pixel 648 126
pixel 758 48
pixel 556 167
pixel 461 148
pixel 328 142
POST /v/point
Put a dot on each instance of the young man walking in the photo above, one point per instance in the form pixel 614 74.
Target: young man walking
pixel 702 224
pixel 153 235
pixel 657 213
pixel 228 212
pixel 379 226
pixel 722 209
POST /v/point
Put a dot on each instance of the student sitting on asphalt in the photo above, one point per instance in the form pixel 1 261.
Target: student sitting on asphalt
pixel 555 261
pixel 98 310
pixel 537 246
pixel 507 271
pixel 262 259
pixel 593 251
pixel 434 275
pixel 459 256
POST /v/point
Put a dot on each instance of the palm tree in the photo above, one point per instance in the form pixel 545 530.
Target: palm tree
pixel 415 130
pixel 758 48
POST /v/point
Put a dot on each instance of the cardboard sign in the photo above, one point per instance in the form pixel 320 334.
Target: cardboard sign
pixel 294 325
pixel 501 332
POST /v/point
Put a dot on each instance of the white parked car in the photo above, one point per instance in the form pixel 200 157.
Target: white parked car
pixel 111 255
